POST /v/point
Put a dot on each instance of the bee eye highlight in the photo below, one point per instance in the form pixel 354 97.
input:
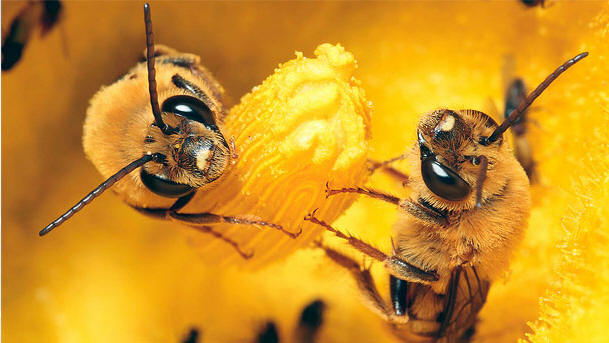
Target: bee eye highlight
pixel 163 187
pixel 190 108
pixel 443 181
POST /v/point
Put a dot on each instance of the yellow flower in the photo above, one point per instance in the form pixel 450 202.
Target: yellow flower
pixel 113 275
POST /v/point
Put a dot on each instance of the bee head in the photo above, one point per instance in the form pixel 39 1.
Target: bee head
pixel 196 152
pixel 450 151
pixel 450 143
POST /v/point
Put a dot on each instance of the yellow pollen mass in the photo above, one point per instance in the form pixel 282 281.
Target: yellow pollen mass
pixel 306 125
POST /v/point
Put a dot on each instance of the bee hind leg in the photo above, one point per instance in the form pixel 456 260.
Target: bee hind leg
pixel 220 236
pixel 163 213
pixel 364 281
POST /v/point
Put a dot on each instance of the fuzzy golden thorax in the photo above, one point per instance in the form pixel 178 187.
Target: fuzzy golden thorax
pixel 453 139
pixel 482 236
pixel 194 156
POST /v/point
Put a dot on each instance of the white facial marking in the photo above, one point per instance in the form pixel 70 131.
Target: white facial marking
pixel 447 123
pixel 203 159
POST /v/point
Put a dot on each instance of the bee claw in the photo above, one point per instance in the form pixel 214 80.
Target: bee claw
pixel 247 255
pixel 295 234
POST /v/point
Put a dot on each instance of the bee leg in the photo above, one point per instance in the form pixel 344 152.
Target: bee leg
pixel 364 281
pixel 426 214
pixel 406 271
pixel 398 289
pixel 163 213
pixel 354 242
pixel 369 192
pixel 216 234
pixel 384 166
pixel 395 265
pixel 196 219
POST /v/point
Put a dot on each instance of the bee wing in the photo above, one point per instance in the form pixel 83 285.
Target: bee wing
pixel 465 297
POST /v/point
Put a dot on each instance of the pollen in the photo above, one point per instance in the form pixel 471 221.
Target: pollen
pixel 306 125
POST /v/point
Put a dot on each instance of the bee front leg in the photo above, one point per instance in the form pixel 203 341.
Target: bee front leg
pixel 198 219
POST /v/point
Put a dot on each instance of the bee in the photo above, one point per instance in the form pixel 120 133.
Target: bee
pixel 467 211
pixel 514 95
pixel 46 14
pixel 167 124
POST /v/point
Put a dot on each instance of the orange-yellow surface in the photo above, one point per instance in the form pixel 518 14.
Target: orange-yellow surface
pixel 113 275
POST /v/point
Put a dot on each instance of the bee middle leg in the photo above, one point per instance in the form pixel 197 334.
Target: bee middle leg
pixel 389 170
pixel 365 191
pixel 395 265
pixel 220 236
pixel 206 219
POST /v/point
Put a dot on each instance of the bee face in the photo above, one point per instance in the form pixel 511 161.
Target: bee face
pixel 195 154
pixel 449 143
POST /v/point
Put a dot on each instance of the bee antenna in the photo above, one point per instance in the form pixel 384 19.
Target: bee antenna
pixel 481 177
pixel 511 119
pixel 101 188
pixel 154 96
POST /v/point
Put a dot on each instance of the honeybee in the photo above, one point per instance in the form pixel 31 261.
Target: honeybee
pixel 177 143
pixel 46 14
pixel 514 95
pixel 467 211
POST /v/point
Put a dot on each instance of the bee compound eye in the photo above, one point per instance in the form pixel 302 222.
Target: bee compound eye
pixel 190 108
pixel 164 187
pixel 443 181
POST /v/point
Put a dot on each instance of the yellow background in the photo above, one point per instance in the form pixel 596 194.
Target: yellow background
pixel 114 275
